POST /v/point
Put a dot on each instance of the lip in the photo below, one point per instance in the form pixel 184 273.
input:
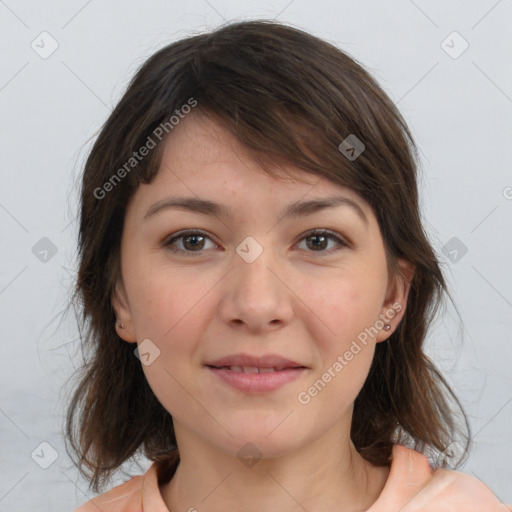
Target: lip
pixel 264 361
pixel 257 382
pixel 253 383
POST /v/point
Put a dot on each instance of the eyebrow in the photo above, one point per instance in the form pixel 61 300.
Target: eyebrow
pixel 297 209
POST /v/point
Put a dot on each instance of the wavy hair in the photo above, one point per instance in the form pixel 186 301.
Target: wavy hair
pixel 287 96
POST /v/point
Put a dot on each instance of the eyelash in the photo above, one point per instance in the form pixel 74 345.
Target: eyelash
pixel 315 232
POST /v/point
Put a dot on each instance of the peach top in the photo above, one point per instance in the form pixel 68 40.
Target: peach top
pixel 412 486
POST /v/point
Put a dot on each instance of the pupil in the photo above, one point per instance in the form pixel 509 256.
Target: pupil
pixel 316 245
pixel 193 237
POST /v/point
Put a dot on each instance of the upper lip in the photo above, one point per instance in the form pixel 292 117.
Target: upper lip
pixel 246 360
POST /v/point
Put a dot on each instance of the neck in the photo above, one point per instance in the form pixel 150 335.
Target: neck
pixel 312 479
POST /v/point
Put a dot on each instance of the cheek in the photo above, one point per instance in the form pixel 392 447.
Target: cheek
pixel 165 301
pixel 346 306
pixel 344 311
pixel 346 348
pixel 168 311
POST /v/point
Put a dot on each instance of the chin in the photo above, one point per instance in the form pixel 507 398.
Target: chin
pixel 263 438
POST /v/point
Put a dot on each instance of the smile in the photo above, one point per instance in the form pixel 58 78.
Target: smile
pixel 255 380
pixel 252 369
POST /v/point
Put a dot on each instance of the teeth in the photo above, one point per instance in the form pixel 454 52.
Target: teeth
pixel 252 369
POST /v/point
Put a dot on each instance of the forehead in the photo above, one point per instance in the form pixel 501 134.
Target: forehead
pixel 201 148
pixel 202 152
pixel 204 160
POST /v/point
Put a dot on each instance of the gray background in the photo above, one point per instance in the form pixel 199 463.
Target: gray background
pixel 458 105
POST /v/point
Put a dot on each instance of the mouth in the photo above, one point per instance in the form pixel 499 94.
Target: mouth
pixel 247 363
pixel 254 380
pixel 255 369
pixel 253 375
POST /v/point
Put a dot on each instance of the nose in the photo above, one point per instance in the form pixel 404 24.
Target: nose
pixel 256 298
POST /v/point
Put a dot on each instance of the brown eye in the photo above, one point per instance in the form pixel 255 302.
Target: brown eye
pixel 188 242
pixel 318 241
pixel 193 242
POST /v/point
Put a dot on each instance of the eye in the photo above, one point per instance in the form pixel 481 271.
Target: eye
pixel 194 241
pixel 188 242
pixel 319 240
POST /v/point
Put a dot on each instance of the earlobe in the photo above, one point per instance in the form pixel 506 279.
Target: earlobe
pixel 396 300
pixel 124 323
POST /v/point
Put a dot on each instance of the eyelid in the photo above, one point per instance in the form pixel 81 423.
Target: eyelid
pixel 169 240
pixel 342 241
pixel 324 231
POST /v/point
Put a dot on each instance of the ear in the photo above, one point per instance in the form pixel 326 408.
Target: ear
pixel 395 303
pixel 123 314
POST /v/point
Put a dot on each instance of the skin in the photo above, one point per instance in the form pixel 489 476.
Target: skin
pixel 304 303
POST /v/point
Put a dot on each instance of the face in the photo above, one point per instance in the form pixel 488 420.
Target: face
pixel 294 298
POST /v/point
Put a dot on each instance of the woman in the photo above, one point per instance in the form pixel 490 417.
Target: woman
pixel 257 287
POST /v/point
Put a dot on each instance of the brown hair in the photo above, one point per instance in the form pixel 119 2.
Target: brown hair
pixel 287 96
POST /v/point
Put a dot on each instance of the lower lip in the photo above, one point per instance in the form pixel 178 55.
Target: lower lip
pixel 257 382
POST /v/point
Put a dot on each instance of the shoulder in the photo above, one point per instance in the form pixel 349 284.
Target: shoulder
pixel 126 497
pixel 414 487
pixel 455 489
